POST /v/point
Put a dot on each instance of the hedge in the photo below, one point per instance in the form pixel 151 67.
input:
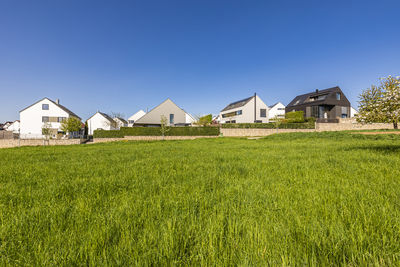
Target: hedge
pixel 295 116
pixel 305 125
pixel 155 131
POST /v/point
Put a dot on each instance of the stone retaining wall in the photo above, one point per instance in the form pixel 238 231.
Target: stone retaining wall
pixel 351 124
pixel 238 132
pixel 37 142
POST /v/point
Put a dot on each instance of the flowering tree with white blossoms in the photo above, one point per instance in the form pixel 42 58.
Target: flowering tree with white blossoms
pixel 381 103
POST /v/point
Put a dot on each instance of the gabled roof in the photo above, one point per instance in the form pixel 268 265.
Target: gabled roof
pixel 137 115
pixel 121 119
pixel 302 99
pixel 104 115
pixel 237 104
pixel 144 116
pixel 275 104
pixel 58 105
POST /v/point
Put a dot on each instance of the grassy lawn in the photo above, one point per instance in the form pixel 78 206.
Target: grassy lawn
pixel 291 199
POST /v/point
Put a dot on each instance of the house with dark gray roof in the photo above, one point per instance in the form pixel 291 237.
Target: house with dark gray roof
pixel 249 110
pixel 101 121
pixel 327 104
pixel 44 112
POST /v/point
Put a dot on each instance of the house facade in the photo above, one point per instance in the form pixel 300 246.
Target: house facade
pixel 248 110
pixel 276 110
pixel 44 111
pixel 100 121
pixel 120 122
pixel 132 119
pixel 353 112
pixel 175 115
pixel 14 127
pixel 325 104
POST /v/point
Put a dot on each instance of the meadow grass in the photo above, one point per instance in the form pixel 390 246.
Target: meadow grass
pixel 288 199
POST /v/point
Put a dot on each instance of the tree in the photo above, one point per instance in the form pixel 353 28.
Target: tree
pixel 46 131
pixel 71 124
pixel 204 120
pixel 390 102
pixel 381 103
pixel 277 122
pixel 163 123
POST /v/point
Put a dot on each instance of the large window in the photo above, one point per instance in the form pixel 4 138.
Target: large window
pixel 45 119
pixel 171 118
pixel 231 114
pixel 344 112
pixel 337 96
pixel 45 106
pixel 263 113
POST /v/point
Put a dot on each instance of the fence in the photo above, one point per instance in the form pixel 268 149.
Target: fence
pixel 6 135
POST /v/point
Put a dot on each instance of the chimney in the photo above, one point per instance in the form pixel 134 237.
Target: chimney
pixel 58 101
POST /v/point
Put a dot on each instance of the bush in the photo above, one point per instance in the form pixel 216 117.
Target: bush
pixel 155 131
pixel 295 116
pixel 305 125
pixel 107 134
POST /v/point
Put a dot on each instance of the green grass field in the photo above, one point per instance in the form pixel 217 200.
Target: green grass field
pixel 289 199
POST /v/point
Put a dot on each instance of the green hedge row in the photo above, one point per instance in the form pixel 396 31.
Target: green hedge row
pixel 295 116
pixel 156 131
pixel 305 125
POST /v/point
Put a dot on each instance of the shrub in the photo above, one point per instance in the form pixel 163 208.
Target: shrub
pixel 155 131
pixel 107 134
pixel 295 116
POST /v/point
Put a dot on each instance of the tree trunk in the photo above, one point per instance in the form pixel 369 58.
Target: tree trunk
pixel 395 125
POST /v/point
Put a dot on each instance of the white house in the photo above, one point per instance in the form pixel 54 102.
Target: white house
pixel 120 122
pixel 44 111
pixel 7 124
pixel 100 121
pixel 276 110
pixel 248 110
pixel 174 114
pixel 14 127
pixel 132 119
pixel 353 112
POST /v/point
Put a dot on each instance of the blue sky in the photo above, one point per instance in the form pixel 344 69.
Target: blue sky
pixel 123 56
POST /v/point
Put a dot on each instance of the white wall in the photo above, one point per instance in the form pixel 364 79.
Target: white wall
pixel 353 112
pixel 14 127
pixel 247 115
pixel 98 121
pixel 166 108
pixel 31 118
pixel 277 110
pixel 135 117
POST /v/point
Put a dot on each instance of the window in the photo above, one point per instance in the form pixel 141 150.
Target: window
pixel 45 106
pixel 344 112
pixel 45 119
pixel 263 113
pixel 337 96
pixel 231 114
pixel 281 108
pixel 171 118
pixel 131 121
pixel 61 119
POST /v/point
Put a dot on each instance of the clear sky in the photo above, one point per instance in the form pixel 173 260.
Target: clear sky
pixel 123 56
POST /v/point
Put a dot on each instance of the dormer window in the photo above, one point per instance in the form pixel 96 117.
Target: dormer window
pixel 337 96
pixel 45 106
